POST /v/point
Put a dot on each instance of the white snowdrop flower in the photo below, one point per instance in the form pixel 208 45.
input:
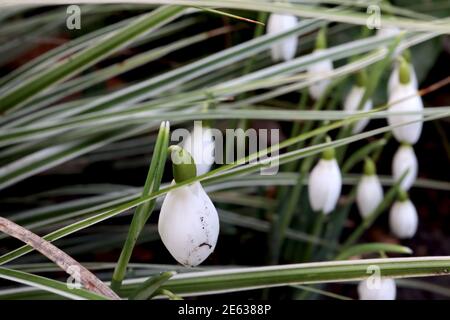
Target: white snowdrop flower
pixel 381 289
pixel 188 221
pixel 286 49
pixel 351 104
pixel 405 159
pixel 405 98
pixel 325 183
pixel 200 144
pixel 369 193
pixel 323 67
pixel 403 219
pixel 394 78
pixel 320 68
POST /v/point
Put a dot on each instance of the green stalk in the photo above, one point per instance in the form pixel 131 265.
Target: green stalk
pixel 144 210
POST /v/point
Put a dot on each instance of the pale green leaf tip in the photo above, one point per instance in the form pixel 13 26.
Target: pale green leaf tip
pixel 183 165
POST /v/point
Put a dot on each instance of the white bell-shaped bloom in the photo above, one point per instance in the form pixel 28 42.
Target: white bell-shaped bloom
pixel 369 194
pixel 286 49
pixel 403 219
pixel 189 224
pixel 394 78
pixel 324 185
pixel 200 144
pixel 320 68
pixel 351 104
pixel 404 98
pixel 377 289
pixel 405 159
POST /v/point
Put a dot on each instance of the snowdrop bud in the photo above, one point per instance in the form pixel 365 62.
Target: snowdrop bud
pixel 325 183
pixel 382 289
pixel 403 218
pixel 319 68
pixel 351 104
pixel 284 50
pixel 369 193
pixel 188 221
pixel 200 144
pixel 404 98
pixel 405 159
pixel 323 67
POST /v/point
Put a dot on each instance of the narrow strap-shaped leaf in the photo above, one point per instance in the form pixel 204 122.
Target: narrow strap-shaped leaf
pixel 49 285
pixel 144 210
pixel 373 248
pixel 88 56
pixel 63 260
pixel 148 288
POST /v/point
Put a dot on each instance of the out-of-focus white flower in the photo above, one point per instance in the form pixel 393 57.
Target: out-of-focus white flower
pixel 405 159
pixel 394 79
pixel 351 104
pixel 286 49
pixel 403 218
pixel 405 98
pixel 200 144
pixel 388 31
pixel 323 67
pixel 369 193
pixel 381 289
pixel 189 224
pixel 325 183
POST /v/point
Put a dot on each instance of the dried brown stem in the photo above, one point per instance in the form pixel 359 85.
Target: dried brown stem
pixel 63 260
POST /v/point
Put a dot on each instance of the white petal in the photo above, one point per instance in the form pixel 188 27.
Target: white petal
pixel 324 186
pixel 317 69
pixel 404 98
pixel 369 195
pixel 394 80
pixel 286 49
pixel 403 219
pixel 405 159
pixel 377 289
pixel 351 104
pixel 389 31
pixel 189 224
pixel 200 144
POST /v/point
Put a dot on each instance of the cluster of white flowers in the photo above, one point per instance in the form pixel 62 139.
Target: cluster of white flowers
pixel 404 97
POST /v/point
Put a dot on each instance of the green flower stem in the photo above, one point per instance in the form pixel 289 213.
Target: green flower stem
pixel 145 209
pixel 316 232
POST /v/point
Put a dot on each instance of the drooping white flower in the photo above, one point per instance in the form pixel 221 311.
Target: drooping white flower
pixel 369 193
pixel 403 218
pixel 351 104
pixel 381 289
pixel 189 224
pixel 322 67
pixel 405 159
pixel 394 78
pixel 405 98
pixel 200 144
pixel 286 49
pixel 325 183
